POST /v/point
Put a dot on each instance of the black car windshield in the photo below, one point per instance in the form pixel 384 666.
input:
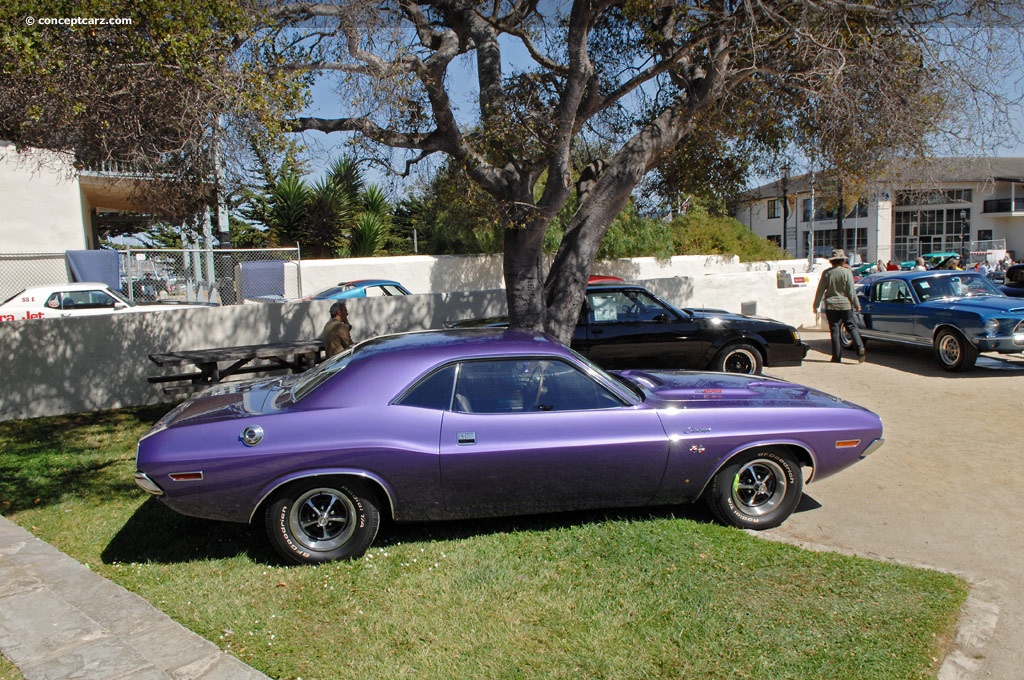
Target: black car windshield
pixel 966 284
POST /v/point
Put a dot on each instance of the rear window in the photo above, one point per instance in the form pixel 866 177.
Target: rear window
pixel 14 296
pixel 319 374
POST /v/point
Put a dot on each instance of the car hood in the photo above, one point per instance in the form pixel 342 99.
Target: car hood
pixel 988 303
pixel 690 389
pixel 230 400
pixel 725 316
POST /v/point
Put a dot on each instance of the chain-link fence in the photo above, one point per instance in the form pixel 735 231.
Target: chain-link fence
pixel 19 271
pixel 151 275
pixel 226 277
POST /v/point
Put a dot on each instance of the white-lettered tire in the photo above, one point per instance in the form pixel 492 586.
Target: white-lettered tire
pixel 322 520
pixel 739 357
pixel 758 489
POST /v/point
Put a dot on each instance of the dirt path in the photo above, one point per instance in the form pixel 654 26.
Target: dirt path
pixel 944 491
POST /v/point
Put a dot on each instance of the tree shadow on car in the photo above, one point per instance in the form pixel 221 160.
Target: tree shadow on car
pixel 157 534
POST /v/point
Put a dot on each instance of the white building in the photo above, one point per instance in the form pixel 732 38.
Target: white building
pixel 974 207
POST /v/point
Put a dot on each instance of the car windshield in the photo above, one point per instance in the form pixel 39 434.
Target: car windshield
pixel 120 298
pixel 13 296
pixel 633 388
pixel 319 374
pixel 956 286
pixel 326 293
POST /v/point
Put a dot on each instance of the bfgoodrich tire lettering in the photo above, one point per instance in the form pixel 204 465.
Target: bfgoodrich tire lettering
pixel 756 490
pixel 322 520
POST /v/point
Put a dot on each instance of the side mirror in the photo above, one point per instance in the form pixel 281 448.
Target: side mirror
pixel 662 318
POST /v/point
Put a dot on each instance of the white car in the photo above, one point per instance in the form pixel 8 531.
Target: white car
pixel 71 299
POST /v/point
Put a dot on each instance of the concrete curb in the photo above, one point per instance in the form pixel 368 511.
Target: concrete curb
pixel 60 620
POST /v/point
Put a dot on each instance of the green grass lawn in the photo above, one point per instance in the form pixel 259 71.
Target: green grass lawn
pixel 657 593
pixel 8 671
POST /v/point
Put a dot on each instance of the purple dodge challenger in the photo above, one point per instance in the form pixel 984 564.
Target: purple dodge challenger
pixel 487 422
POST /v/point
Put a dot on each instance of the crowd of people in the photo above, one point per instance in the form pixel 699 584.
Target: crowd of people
pixel 954 262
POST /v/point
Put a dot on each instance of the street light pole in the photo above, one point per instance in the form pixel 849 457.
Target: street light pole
pixel 785 207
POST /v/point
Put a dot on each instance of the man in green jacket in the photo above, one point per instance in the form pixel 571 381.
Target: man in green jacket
pixel 836 289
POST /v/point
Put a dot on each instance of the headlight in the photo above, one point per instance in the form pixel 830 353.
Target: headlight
pixel 992 327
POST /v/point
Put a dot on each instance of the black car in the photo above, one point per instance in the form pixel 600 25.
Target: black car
pixel 1013 281
pixel 625 326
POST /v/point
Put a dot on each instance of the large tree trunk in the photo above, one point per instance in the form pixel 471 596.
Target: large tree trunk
pixel 566 284
pixel 523 268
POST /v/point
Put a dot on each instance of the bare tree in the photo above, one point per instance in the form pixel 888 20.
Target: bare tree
pixel 853 79
pixel 514 92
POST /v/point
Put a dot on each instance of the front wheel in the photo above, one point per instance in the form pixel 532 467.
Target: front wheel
pixel 756 490
pixel 738 358
pixel 322 520
pixel 954 352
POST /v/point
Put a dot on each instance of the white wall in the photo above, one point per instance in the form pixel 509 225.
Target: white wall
pixel 71 365
pixel 446 273
pixel 42 203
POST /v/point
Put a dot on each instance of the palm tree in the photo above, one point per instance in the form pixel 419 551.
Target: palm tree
pixel 330 209
pixel 367 236
pixel 288 209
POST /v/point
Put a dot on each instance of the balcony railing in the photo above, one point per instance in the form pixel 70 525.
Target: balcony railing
pixel 1003 205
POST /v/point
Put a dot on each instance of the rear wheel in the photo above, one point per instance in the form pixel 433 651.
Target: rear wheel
pixel 322 520
pixel 954 352
pixel 756 490
pixel 845 338
pixel 738 358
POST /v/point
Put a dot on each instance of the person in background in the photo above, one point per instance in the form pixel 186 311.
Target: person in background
pixel 951 262
pixel 337 333
pixel 836 291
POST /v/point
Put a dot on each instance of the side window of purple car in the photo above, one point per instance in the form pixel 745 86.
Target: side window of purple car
pixel 433 391
pixel 528 385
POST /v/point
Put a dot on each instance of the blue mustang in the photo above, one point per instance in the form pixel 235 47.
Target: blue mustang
pixel 957 313
pixel 360 289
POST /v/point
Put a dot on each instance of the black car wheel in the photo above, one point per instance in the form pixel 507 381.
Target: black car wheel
pixel 954 352
pixel 845 338
pixel 322 520
pixel 738 358
pixel 756 490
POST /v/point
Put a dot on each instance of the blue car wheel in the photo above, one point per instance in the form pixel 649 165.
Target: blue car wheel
pixel 954 352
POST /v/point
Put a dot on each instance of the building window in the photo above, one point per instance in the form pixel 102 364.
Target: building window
pixel 855 240
pixel 774 209
pixel 918 232
pixel 937 197
pixel 823 211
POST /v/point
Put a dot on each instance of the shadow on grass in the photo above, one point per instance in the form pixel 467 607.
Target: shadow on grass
pixel 155 533
pixel 45 460
pixel 159 535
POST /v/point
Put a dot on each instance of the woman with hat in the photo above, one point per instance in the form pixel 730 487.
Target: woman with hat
pixel 836 289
